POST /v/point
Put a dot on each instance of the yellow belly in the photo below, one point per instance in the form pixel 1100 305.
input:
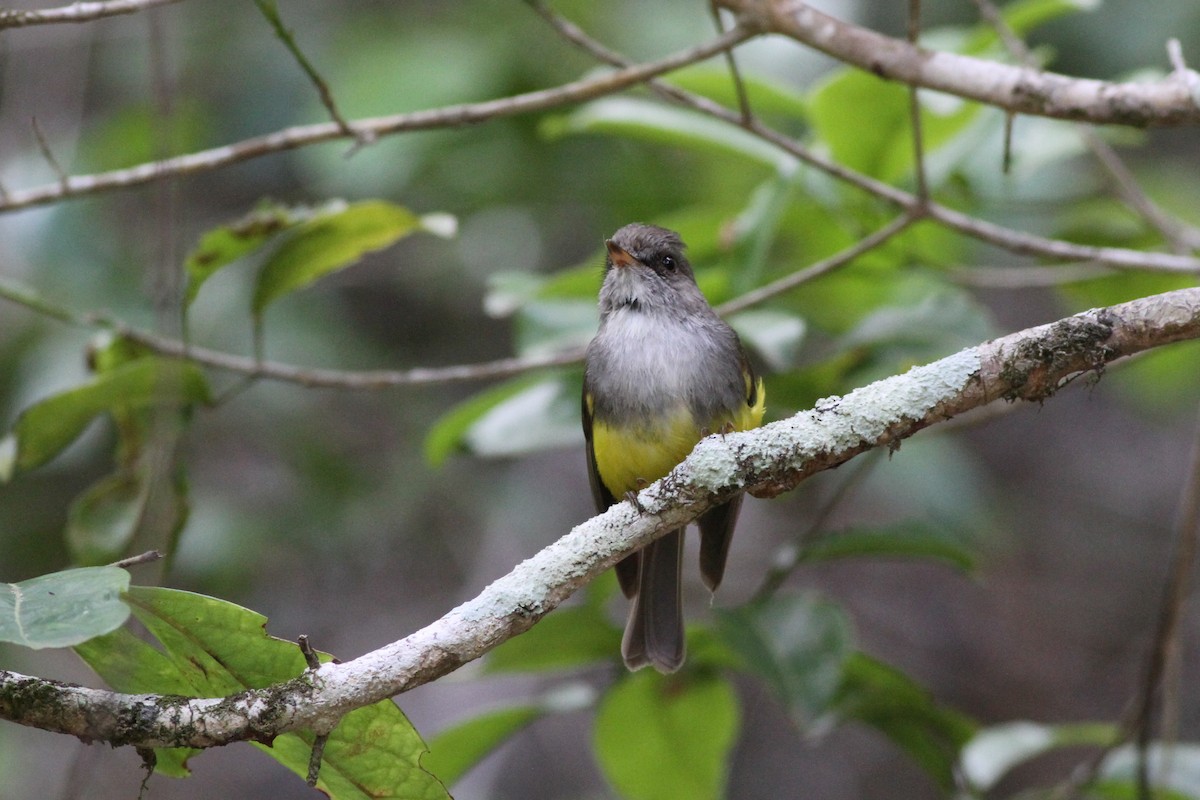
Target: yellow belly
pixel 631 457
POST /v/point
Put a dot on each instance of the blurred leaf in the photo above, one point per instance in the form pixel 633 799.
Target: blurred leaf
pixel 654 122
pixel 549 325
pixel 333 241
pixel 767 97
pixel 568 638
pixel 223 245
pixel 448 434
pixel 912 539
pixel 797 644
pixel 1174 770
pixel 993 751
pixel 101 521
pixel 1164 380
pixel 45 428
pixel 456 750
pixel 866 122
pixel 889 701
pixel 62 609
pixel 667 737
pixel 1024 16
pixel 529 413
pixel 774 335
pixel 217 649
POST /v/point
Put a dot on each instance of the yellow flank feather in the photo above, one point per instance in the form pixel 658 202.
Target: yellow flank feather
pixel 630 458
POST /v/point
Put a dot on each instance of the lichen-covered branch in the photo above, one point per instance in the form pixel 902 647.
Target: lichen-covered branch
pixel 1030 365
pixel 1174 100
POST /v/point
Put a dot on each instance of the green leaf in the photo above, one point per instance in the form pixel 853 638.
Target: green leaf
pixel 333 241
pixel 767 97
pixel 521 416
pixel 654 122
pixel 567 638
pixel 45 428
pixel 101 521
pixel 224 245
pixel 667 737
pixel 889 701
pixel 217 649
pixel 797 644
pixel 911 539
pixel 456 750
pixel 63 608
pixel 446 435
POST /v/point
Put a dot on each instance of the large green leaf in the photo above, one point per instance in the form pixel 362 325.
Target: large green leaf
pixel 333 241
pixel 218 648
pixel 667 737
pixel 63 608
pixel 45 428
pixel 797 644
pixel 889 701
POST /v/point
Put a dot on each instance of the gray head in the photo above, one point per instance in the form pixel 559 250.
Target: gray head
pixel 645 269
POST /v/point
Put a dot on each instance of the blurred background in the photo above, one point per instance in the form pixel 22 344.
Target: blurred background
pixel 321 508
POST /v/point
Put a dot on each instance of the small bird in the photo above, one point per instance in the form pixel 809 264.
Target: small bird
pixel 663 372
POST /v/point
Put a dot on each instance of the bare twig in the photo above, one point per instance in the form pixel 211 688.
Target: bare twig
pixel 48 154
pixel 444 117
pixel 1011 88
pixel 142 558
pixel 1182 237
pixel 1166 634
pixel 914 108
pixel 1014 241
pixel 1030 364
pixel 76 12
pixel 270 10
pixel 735 75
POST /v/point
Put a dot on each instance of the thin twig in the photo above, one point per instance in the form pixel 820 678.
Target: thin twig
pixel 1182 237
pixel 1166 633
pixel 270 10
pixel 142 558
pixel 48 154
pixel 76 12
pixel 914 107
pixel 1014 241
pixel 739 86
pixel 315 758
pixel 445 117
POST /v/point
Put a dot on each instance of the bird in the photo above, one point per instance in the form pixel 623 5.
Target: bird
pixel 663 371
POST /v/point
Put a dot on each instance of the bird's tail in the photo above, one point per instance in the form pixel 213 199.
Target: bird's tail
pixel 654 632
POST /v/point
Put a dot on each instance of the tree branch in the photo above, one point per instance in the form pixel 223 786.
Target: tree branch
pixel 1031 364
pixel 76 12
pixel 302 135
pixel 1016 89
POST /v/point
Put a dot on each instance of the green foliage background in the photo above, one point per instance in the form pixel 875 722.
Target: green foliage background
pixel 1004 572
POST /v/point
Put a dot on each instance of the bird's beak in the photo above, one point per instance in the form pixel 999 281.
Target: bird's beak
pixel 618 256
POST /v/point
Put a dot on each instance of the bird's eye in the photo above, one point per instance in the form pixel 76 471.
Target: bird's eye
pixel 668 263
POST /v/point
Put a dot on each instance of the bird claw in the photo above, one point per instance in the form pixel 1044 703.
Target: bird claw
pixel 632 497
